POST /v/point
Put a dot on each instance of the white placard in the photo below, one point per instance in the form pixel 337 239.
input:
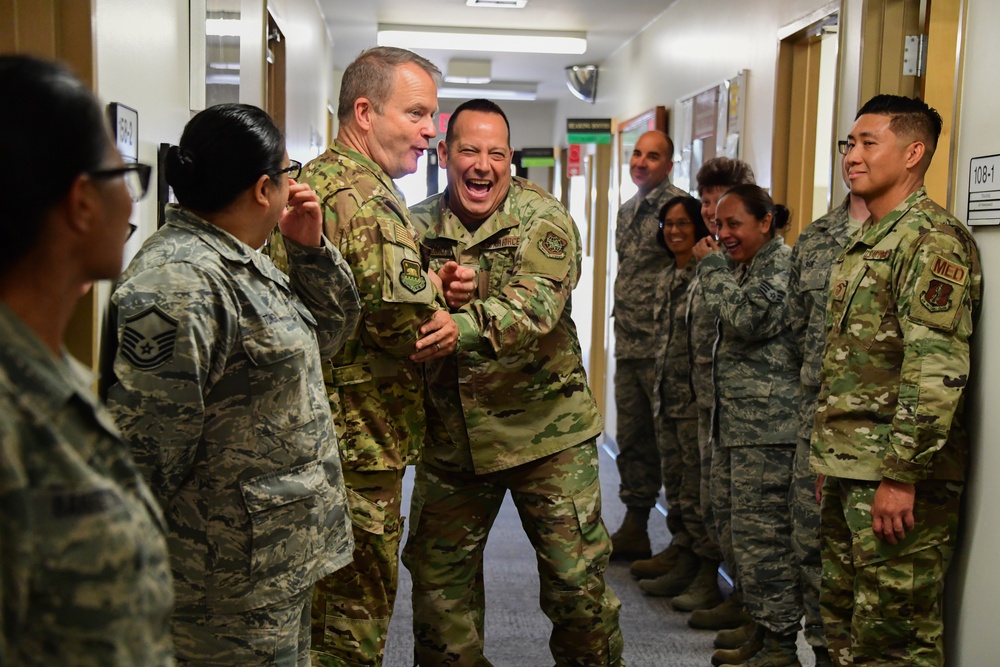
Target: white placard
pixel 984 190
pixel 125 125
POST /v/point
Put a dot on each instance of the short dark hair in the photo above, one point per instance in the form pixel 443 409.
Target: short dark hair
pixel 909 116
pixel 693 209
pixel 481 105
pixel 723 172
pixel 223 151
pixel 758 204
pixel 48 114
pixel 371 76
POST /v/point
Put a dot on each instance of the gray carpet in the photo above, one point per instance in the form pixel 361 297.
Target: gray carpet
pixel 517 631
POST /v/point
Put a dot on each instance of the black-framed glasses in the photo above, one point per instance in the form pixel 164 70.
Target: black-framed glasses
pixel 844 147
pixel 676 225
pixel 136 177
pixel 293 170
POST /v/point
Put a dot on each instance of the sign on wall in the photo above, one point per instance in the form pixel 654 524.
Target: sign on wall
pixel 984 190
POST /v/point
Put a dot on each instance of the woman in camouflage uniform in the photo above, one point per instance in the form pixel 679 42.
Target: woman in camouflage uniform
pixel 755 417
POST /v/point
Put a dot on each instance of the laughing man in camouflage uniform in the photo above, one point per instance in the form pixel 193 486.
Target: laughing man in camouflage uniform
pixel 640 264
pixel 889 431
pixel 376 383
pixel 511 411
pixel 815 250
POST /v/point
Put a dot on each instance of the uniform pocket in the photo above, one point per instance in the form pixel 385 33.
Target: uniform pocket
pixel 403 279
pixel 279 384
pixel 365 514
pixel 291 513
pixel 866 308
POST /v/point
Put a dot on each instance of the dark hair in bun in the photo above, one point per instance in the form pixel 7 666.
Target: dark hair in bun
pixel 223 151
pixel 759 204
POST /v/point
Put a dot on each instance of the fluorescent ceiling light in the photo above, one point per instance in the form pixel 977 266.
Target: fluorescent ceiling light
pixel 497 90
pixel 481 39
pixel 501 4
pixel 461 70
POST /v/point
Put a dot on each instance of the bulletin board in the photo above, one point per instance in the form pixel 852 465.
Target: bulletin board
pixel 708 124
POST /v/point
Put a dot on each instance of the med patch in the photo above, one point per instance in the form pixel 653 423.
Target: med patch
pixel 148 339
pixel 411 277
pixel 553 246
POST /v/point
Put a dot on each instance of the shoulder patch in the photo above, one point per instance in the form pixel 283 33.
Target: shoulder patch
pixel 937 297
pixel 878 255
pixel 950 271
pixel 771 293
pixel 148 339
pixel 404 237
pixel 411 277
pixel 553 246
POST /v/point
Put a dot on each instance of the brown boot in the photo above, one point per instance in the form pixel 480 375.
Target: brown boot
pixel 749 648
pixel 631 541
pixel 736 637
pixel 673 582
pixel 658 565
pixel 703 591
pixel 729 614
pixel 777 651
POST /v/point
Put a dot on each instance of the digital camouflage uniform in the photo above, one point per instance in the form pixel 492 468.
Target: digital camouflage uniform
pixel 675 408
pixel 376 395
pixel 641 261
pixel 815 250
pixel 903 301
pixel 511 410
pixel 219 393
pixel 756 420
pixel 84 575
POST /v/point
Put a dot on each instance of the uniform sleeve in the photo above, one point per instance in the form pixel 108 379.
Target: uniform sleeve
pixel 324 282
pixel 397 297
pixel 755 309
pixel 545 272
pixel 935 306
pixel 175 329
pixel 798 310
pixel 15 550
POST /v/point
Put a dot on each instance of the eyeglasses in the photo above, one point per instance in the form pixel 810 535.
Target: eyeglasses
pixel 293 170
pixel 136 177
pixel 844 147
pixel 676 225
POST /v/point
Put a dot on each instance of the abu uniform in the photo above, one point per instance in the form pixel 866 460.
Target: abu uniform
pixel 815 250
pixel 376 396
pixel 755 422
pixel 903 301
pixel 84 575
pixel 510 410
pixel 219 394
pixel 641 262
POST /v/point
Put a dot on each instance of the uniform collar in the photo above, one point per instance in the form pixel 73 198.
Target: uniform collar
pixel 451 227
pixel 872 232
pixel 345 152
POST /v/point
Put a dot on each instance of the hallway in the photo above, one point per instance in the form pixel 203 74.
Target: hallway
pixel 517 631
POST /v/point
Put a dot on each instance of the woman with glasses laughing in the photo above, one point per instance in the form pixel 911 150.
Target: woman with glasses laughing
pixel 219 391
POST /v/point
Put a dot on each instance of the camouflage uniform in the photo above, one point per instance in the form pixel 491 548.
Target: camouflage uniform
pixel 756 384
pixel 84 574
pixel 903 299
pixel 812 258
pixel 674 406
pixel 641 261
pixel 376 396
pixel 219 393
pixel 510 411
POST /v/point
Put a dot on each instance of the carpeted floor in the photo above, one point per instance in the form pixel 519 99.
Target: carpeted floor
pixel 517 631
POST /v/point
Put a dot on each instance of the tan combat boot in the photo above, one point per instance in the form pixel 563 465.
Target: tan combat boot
pixel 777 651
pixel 703 591
pixel 736 637
pixel 658 565
pixel 729 614
pixel 748 649
pixel 631 541
pixel 674 582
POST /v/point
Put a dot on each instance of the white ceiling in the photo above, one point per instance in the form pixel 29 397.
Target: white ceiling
pixel 609 24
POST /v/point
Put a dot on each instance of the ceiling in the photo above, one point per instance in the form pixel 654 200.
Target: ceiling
pixel 609 24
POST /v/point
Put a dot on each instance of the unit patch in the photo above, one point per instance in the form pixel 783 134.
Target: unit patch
pixel 148 339
pixel 411 277
pixel 950 271
pixel 937 297
pixel 553 246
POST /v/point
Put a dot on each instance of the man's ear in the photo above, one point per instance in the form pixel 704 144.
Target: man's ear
pixel 363 112
pixel 442 154
pixel 915 153
pixel 82 205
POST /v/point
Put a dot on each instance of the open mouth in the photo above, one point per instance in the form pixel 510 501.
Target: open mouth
pixel 479 189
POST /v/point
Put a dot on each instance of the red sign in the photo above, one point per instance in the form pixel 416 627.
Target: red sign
pixel 443 119
pixel 574 165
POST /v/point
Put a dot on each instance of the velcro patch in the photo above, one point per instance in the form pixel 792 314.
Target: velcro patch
pixel 411 277
pixel 878 255
pixel 76 504
pixel 404 237
pixel 937 297
pixel 771 293
pixel 148 339
pixel 442 252
pixel 506 242
pixel 950 271
pixel 839 291
pixel 553 246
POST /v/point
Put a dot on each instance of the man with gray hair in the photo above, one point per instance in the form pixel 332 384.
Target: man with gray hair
pixel 376 382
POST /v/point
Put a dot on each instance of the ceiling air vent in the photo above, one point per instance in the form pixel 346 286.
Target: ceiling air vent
pixel 494 4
